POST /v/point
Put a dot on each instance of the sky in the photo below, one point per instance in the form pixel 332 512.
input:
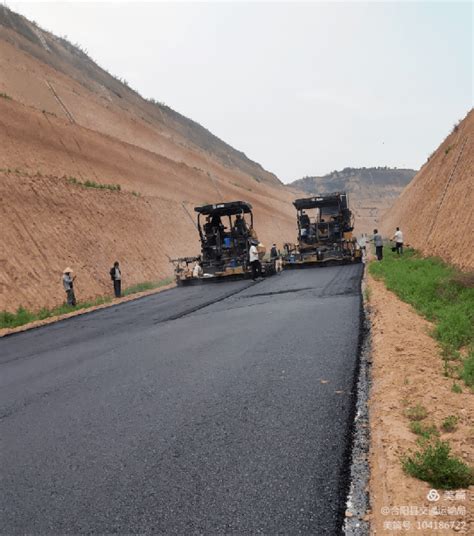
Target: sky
pixel 302 88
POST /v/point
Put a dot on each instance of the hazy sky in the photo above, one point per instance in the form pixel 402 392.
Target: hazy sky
pixel 302 88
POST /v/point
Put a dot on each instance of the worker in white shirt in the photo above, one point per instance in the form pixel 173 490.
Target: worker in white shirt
pixel 398 239
pixel 255 261
pixel 197 270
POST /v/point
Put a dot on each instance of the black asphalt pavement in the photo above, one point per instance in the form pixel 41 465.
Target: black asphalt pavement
pixel 216 409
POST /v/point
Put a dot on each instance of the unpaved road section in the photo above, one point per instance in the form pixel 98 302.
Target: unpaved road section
pixel 214 409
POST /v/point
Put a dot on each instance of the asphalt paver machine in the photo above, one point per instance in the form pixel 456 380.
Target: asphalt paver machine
pixel 325 225
pixel 226 232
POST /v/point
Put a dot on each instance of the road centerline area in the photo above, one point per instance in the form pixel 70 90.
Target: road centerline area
pixel 225 420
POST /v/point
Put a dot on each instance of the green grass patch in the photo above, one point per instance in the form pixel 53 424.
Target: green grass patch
pixel 467 370
pixel 93 184
pixel 456 388
pixel 147 285
pixel 450 424
pixel 440 293
pixel 5 96
pixel 416 413
pixel 24 316
pixel 435 464
pixel 424 430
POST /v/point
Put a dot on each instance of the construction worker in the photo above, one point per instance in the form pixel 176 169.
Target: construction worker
pixel 378 243
pixel 68 284
pixel 255 260
pixel 274 252
pixel 116 276
pixel 197 270
pixel 275 256
pixel 208 226
pixel 304 219
pixel 398 239
pixel 240 226
pixel 217 224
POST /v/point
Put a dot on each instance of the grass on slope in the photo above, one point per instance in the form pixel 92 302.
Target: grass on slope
pixel 93 184
pixel 439 292
pixel 24 316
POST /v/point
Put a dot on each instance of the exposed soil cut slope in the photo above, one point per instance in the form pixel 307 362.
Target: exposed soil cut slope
pixel 62 116
pixel 436 210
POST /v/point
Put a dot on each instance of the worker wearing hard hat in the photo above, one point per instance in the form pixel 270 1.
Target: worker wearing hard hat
pixel 68 284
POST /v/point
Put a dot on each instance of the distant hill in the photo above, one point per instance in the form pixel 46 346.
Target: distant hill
pixel 371 190
pixel 356 179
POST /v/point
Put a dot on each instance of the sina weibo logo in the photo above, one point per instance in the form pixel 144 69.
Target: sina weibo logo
pixel 433 495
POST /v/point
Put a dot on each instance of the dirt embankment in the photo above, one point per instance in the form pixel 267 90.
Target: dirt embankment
pixel 61 116
pixel 436 210
pixel 407 370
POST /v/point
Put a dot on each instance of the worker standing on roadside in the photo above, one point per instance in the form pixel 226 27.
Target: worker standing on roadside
pixel 68 284
pixel 276 257
pixel 274 252
pixel 378 243
pixel 197 270
pixel 398 239
pixel 255 261
pixel 116 276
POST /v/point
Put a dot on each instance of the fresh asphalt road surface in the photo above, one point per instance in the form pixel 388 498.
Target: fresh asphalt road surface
pixel 216 409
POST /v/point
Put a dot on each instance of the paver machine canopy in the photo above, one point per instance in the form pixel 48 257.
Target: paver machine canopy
pixel 325 225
